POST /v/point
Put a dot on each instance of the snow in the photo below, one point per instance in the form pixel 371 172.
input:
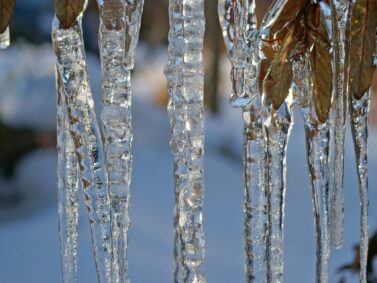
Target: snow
pixel 29 241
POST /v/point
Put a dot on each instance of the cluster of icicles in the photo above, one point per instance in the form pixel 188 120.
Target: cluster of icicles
pixel 266 133
pixel 104 170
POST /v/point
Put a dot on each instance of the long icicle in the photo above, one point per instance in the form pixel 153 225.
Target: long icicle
pixel 184 72
pixel 72 70
pixel 340 15
pixel 359 110
pixel 242 34
pixel 277 127
pixel 255 196
pixel 318 149
pixel 118 36
pixel 68 202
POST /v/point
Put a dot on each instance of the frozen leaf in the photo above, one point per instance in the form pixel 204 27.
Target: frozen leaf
pixel 67 11
pixel 287 17
pixel 6 11
pixel 320 59
pixel 363 46
pixel 279 77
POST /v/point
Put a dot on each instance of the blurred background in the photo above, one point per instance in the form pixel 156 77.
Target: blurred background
pixel 29 243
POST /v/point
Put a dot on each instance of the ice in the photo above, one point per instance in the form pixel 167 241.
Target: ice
pixel 118 36
pixel 255 195
pixel 72 71
pixel 184 72
pixel 68 202
pixel 277 126
pixel 340 14
pixel 238 22
pixel 359 110
pixel 318 149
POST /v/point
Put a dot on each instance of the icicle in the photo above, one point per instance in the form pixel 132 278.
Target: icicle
pixel 241 38
pixel 238 22
pixel 359 110
pixel 340 15
pixel 4 39
pixel 68 203
pixel 255 196
pixel 118 36
pixel 277 127
pixel 72 70
pixel 317 145
pixel 184 72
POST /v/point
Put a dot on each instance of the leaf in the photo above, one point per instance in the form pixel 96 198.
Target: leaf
pixel 67 11
pixel 320 60
pixel 279 76
pixel 6 11
pixel 263 70
pixel 286 17
pixel 363 46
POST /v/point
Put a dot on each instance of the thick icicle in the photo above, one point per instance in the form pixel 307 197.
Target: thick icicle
pixel 317 146
pixel 68 203
pixel 72 70
pixel 340 14
pixel 277 127
pixel 184 72
pixel 118 35
pixel 4 39
pixel 359 110
pixel 255 196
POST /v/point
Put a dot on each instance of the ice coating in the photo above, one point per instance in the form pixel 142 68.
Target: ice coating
pixel 318 149
pixel 340 14
pixel 255 195
pixel 72 71
pixel 184 72
pixel 359 110
pixel 5 39
pixel 273 12
pixel 118 35
pixel 68 202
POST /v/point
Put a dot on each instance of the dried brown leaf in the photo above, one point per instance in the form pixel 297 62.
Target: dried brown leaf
pixel 286 18
pixel 67 11
pixel 6 11
pixel 279 76
pixel 363 46
pixel 263 70
pixel 320 60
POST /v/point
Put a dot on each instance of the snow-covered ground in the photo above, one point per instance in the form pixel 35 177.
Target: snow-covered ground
pixel 29 245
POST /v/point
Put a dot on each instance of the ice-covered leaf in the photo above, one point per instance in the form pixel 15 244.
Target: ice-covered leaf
pixel 6 11
pixel 279 76
pixel 320 60
pixel 286 18
pixel 363 46
pixel 67 11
